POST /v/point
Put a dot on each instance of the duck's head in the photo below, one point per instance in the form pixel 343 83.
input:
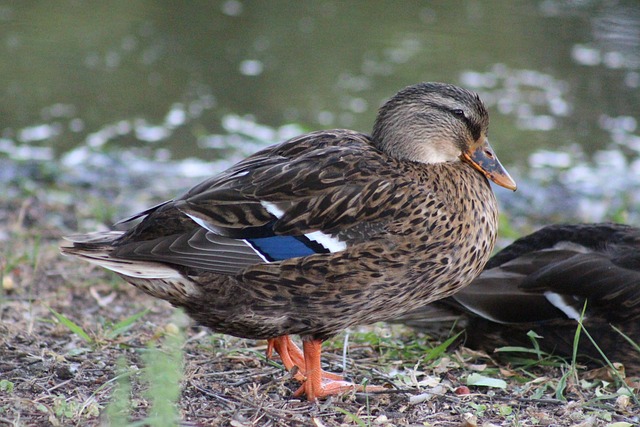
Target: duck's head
pixel 436 123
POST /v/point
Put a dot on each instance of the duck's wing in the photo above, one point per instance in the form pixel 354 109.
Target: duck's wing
pixel 550 273
pixel 609 282
pixel 325 181
pixel 318 193
pixel 497 294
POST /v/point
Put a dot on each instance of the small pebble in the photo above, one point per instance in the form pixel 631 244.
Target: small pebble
pixel 64 372
pixel 382 419
pixel 171 329
pixel 8 284
pixel 462 390
pixel 469 420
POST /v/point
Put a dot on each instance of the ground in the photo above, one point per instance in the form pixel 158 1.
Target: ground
pixel 78 346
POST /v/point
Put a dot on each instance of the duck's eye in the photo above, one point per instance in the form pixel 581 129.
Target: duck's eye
pixel 458 113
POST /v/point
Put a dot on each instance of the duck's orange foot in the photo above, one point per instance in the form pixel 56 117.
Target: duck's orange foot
pixel 319 384
pixel 292 357
pixel 329 387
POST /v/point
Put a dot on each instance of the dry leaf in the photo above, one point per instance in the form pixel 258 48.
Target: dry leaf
pixel 508 373
pixel 420 398
pixel 317 422
pixel 623 401
pixel 382 419
pixel 102 301
pixel 605 373
pixel 469 420
pixel 477 368
pixel 589 422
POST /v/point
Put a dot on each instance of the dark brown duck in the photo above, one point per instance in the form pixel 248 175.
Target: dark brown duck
pixel 546 282
pixel 325 231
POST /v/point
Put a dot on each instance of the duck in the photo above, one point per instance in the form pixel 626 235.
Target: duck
pixel 324 231
pixel 547 282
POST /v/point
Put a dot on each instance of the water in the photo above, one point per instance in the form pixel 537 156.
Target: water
pixel 166 93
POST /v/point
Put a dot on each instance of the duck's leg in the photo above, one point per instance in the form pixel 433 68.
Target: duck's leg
pixel 289 352
pixel 291 356
pixel 320 384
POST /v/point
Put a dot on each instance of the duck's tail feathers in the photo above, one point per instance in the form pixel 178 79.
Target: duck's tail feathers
pixel 97 248
pixel 91 240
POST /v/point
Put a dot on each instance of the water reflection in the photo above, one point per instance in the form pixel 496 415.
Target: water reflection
pixel 616 34
pixel 195 86
pixel 535 99
pixel 605 187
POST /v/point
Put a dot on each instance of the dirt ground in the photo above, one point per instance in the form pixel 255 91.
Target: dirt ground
pixel 50 375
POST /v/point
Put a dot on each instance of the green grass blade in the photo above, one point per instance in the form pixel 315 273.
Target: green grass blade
pixel 163 372
pixel 515 349
pixel 73 327
pixel 121 327
pixel 562 384
pixel 440 349
pixel 634 344
pixel 572 371
pixel 484 381
pixel 536 345
pixel 356 419
pixel 614 371
pixel 118 408
pixel 576 338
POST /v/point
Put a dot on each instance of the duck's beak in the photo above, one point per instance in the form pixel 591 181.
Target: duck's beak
pixel 484 159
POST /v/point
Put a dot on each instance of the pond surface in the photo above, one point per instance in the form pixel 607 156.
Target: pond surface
pixel 157 95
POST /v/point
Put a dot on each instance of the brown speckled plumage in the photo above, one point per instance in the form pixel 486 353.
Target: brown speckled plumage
pixel 410 210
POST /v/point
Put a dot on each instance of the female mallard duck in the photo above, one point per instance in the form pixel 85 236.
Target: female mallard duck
pixel 542 281
pixel 324 231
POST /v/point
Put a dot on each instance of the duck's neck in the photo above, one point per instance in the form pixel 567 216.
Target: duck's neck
pixel 468 195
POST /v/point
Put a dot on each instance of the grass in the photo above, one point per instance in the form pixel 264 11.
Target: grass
pixel 112 332
pixel 117 411
pixel 163 359
pixel 68 360
pixel 161 375
pixel 150 395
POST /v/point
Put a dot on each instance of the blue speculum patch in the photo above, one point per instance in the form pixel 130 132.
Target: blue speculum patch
pixel 278 248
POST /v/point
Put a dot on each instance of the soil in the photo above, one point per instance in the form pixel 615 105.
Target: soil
pixel 50 375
